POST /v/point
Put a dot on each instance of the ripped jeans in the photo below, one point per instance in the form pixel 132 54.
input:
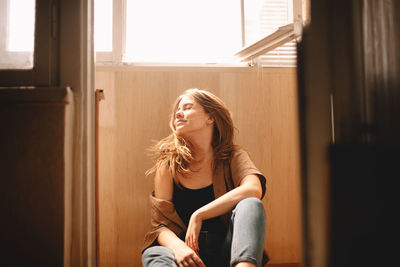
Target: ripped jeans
pixel 244 241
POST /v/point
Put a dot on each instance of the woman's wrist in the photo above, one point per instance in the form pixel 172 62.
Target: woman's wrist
pixel 169 239
pixel 177 245
pixel 199 214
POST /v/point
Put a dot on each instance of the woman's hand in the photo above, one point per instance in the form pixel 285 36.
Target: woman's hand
pixel 186 257
pixel 193 231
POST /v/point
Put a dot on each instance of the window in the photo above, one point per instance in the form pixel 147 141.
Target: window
pixel 190 31
pixel 103 26
pixel 17 29
pixel 182 30
pixel 271 24
pixel 29 43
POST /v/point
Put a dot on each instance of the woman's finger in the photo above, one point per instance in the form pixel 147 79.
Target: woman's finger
pixel 189 241
pixel 193 243
pixel 196 243
pixel 199 262
pixel 191 262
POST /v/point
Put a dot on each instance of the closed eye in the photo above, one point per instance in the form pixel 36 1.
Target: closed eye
pixel 187 107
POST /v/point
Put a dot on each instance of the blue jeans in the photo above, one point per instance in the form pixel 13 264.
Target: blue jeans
pixel 244 241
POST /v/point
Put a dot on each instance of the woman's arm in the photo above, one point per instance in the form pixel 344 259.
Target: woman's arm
pixel 163 189
pixel 250 186
pixel 163 183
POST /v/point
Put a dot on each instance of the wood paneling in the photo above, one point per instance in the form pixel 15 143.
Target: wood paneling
pixel 136 112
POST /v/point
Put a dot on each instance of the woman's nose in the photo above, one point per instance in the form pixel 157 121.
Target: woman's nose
pixel 179 114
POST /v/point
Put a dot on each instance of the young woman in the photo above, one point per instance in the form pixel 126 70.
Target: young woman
pixel 206 207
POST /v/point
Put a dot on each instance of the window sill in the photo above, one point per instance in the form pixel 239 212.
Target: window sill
pixel 172 64
pixel 191 68
pixel 35 95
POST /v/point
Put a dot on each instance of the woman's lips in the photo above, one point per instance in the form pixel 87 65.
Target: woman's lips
pixel 180 122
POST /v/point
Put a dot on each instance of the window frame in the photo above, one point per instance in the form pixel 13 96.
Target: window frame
pixel 284 34
pixel 45 56
pixel 17 57
pixel 116 56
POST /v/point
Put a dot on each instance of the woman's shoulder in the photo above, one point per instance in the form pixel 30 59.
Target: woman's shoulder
pixel 163 182
pixel 163 171
pixel 241 161
pixel 239 153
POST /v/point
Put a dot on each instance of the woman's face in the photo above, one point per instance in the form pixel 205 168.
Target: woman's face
pixel 191 117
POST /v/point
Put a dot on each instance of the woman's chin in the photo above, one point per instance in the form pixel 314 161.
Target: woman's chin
pixel 181 133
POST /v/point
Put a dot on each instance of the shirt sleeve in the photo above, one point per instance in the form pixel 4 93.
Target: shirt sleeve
pixel 241 166
pixel 163 215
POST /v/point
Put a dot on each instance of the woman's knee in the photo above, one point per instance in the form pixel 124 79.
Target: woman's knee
pixel 158 256
pixel 248 231
pixel 250 208
pixel 252 203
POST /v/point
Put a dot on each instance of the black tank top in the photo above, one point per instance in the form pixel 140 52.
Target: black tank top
pixel 187 201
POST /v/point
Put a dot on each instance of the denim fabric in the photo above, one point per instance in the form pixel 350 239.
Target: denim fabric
pixel 248 221
pixel 244 240
pixel 158 256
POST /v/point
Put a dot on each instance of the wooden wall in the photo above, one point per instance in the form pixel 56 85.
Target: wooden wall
pixel 136 111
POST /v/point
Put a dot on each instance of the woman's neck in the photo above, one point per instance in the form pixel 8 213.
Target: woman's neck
pixel 200 144
pixel 203 158
pixel 202 149
pixel 202 154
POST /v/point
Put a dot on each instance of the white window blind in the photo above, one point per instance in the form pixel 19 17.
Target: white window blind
pixel 282 56
pixel 263 18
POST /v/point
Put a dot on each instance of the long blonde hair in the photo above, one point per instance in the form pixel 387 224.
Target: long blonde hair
pixel 175 151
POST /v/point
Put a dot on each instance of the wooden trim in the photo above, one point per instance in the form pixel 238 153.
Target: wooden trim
pixel 243 24
pixel 99 94
pixel 25 94
pixel 151 68
pixel 284 265
pixel 77 71
pixel 119 27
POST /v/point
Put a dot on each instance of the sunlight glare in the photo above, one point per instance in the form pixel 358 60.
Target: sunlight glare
pixel 21 29
pixel 182 30
pixel 103 23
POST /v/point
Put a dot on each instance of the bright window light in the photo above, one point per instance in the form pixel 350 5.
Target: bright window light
pixel 263 17
pixel 103 25
pixel 21 25
pixel 188 31
pixel 182 30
